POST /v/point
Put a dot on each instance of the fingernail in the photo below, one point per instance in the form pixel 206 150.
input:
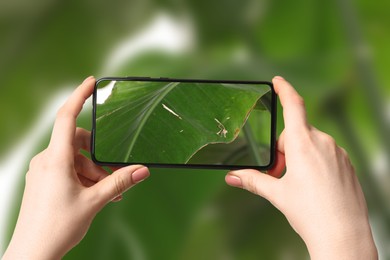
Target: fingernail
pixel 140 175
pixel 234 181
pixel 279 78
pixel 90 77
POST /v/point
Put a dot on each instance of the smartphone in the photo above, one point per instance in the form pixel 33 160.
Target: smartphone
pixel 193 123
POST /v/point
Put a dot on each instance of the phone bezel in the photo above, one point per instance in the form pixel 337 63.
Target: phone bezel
pixel 189 166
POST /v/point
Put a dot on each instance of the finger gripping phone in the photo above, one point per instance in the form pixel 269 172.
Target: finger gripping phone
pixel 214 124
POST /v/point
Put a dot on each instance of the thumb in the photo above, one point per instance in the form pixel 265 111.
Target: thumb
pixel 254 181
pixel 118 182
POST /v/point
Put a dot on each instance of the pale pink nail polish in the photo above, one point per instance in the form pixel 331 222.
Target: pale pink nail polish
pixel 140 175
pixel 234 181
pixel 279 78
pixel 90 77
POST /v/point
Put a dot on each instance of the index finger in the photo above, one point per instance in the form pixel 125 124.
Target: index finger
pixel 294 112
pixel 65 123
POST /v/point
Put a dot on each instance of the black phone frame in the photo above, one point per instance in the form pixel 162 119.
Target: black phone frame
pixel 189 166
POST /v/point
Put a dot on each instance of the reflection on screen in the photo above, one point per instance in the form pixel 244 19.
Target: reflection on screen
pixel 154 122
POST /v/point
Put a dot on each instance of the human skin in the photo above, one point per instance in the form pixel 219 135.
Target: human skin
pixel 64 190
pixel 319 193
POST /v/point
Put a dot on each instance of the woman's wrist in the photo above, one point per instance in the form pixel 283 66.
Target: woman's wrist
pixel 25 250
pixel 353 244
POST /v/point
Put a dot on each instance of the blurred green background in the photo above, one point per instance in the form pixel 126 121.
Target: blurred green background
pixel 336 53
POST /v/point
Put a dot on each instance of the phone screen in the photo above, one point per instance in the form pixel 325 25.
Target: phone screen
pixel 184 123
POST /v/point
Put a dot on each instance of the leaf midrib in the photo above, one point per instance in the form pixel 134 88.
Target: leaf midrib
pixel 144 119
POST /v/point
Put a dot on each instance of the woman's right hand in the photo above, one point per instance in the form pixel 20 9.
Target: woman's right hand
pixel 319 194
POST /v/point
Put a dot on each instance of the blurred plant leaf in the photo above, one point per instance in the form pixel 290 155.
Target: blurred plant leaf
pixel 41 53
pixel 211 238
pixel 149 118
